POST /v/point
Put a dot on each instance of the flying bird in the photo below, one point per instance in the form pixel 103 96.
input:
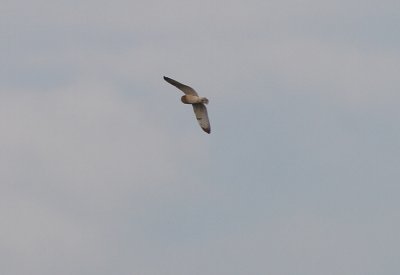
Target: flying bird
pixel 191 97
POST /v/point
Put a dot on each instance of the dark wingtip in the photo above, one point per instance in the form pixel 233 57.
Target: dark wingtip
pixel 207 130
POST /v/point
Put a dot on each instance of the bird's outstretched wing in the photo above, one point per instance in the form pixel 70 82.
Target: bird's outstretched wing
pixel 184 88
pixel 200 111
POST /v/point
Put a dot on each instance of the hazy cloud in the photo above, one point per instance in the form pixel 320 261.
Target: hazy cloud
pixel 103 170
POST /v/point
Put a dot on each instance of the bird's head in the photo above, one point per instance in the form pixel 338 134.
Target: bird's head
pixel 204 100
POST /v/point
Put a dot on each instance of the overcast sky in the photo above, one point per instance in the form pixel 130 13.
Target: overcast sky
pixel 104 171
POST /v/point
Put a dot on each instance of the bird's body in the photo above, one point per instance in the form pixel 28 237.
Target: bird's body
pixel 191 97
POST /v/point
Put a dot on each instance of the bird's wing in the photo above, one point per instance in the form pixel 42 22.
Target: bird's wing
pixel 186 89
pixel 200 111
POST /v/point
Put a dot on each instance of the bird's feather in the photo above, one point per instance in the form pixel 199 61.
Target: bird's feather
pixel 184 88
pixel 200 111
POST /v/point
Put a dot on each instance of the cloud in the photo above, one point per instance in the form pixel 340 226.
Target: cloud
pixel 73 162
pixel 103 171
pixel 274 45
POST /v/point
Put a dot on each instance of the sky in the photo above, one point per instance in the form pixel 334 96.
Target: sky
pixel 104 171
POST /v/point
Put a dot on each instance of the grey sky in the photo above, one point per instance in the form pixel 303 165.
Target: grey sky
pixel 104 171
